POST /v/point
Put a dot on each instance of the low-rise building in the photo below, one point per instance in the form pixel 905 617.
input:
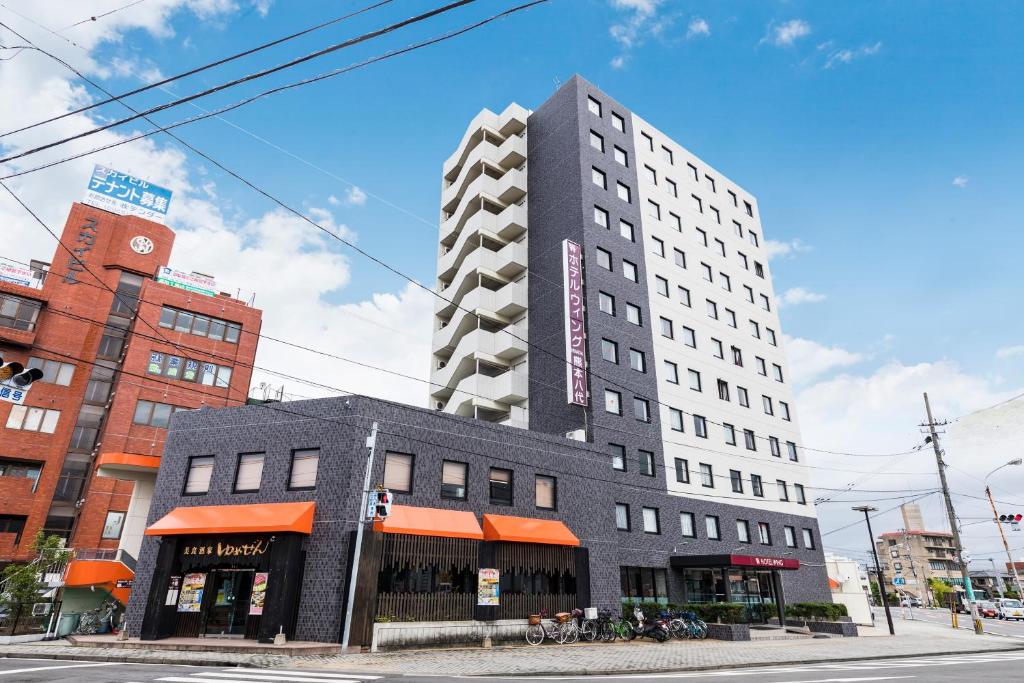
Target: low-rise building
pixel 850 586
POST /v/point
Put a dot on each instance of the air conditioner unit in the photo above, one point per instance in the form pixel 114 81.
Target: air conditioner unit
pixel 577 435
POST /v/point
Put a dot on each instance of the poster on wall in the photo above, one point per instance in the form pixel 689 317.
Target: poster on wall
pixel 487 587
pixel 191 597
pixel 259 592
pixel 172 591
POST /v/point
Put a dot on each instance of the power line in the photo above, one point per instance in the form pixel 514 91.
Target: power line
pixel 190 72
pixel 105 14
pixel 877 514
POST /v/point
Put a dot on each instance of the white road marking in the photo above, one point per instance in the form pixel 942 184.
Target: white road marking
pixel 849 680
pixel 210 677
pixel 8 672
pixel 314 672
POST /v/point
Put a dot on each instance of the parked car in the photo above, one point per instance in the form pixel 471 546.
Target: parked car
pixel 911 602
pixel 1009 608
pixel 987 609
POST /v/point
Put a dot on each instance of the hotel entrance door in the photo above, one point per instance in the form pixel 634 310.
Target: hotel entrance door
pixel 229 609
pixel 756 591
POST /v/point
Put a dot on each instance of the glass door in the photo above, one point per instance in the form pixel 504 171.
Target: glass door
pixel 227 613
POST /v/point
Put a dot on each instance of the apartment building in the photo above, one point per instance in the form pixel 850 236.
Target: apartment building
pixel 912 556
pixel 79 458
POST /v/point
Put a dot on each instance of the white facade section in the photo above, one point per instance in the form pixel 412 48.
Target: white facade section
pixel 717 339
pixel 479 364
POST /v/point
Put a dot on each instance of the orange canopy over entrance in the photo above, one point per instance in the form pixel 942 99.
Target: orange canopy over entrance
pixel 102 573
pixel 236 519
pixel 527 530
pixel 405 519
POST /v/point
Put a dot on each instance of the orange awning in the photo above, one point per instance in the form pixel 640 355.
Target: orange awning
pixel 527 530
pixel 102 573
pixel 128 461
pixel 833 584
pixel 405 519
pixel 236 519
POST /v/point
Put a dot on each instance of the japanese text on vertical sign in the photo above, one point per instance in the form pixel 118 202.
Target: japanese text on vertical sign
pixel 575 335
pixel 83 245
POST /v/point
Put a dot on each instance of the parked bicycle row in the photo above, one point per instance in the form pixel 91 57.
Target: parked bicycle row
pixel 607 626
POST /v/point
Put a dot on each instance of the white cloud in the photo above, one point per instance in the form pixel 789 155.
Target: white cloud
pixel 698 27
pixel 961 181
pixel 845 56
pixel 641 20
pixel 262 6
pixel 618 62
pixel 810 360
pixel 311 270
pixel 798 295
pixel 787 33
pixel 1010 351
pixel 355 196
pixel 776 249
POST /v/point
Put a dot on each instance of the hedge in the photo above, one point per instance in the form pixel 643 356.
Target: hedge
pixel 711 612
pixel 818 611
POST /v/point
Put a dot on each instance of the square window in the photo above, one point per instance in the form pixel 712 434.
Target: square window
pixel 700 426
pixel 646 463
pixel 730 434
pixel 545 492
pixel 622 191
pixel 622 517
pixel 694 380
pixel 612 402
pixel 606 302
pixel 600 216
pixel 671 372
pixel 651 521
pixel 620 156
pixel 684 295
pixel 596 141
pixel 641 409
pixel 629 271
pixel 594 106
pixel 604 258
pixel 711 525
pixel 609 351
pixel 666 328
pixel 618 457
pixel 707 476
pixel 453 479
pixel 637 361
pixel 598 178
pixel 682 471
pixel 686 524
pixel 618 123
pixel 675 418
pixel 633 314
pixel 398 470
pixel 626 230
pixel 305 463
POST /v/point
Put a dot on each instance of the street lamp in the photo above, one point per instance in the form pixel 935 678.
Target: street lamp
pixel 999 525
pixel 878 567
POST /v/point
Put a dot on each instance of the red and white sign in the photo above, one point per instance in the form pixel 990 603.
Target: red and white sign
pixel 764 562
pixel 575 336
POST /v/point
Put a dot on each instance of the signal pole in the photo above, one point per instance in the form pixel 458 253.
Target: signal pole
pixel 878 567
pixel 978 628
pixel 1006 546
pixel 371 443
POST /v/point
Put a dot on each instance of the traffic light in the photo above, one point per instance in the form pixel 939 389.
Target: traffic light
pixel 383 508
pixel 9 370
pixel 15 374
pixel 1011 518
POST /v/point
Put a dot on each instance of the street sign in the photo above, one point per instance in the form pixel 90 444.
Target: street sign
pixel 899 581
pixel 371 504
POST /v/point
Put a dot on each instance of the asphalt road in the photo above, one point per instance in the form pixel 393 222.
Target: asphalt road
pixel 1011 629
pixel 997 666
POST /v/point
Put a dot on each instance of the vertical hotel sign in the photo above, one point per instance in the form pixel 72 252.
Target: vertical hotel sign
pixel 575 339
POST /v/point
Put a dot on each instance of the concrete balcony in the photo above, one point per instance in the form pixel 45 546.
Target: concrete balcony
pixel 491 393
pixel 502 157
pixel 508 189
pixel 511 121
pixel 497 348
pixel 504 344
pixel 502 304
pixel 502 266
pixel 506 225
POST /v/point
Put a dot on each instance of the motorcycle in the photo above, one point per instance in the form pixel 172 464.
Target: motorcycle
pixel 656 629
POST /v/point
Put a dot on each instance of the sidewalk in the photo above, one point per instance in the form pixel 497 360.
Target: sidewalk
pixel 913 638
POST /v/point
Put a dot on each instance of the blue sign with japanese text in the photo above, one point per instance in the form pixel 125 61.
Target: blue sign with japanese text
pixel 127 195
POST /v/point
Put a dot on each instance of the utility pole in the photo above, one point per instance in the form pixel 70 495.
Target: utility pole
pixel 978 628
pixel 913 567
pixel 878 567
pixel 996 578
pixel 1006 546
pixel 371 443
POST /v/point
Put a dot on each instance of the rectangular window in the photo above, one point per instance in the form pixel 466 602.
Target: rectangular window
pixel 658 247
pixel 671 372
pixel 750 293
pixel 629 271
pixel 762 369
pixel 677 222
pixel 641 409
pixel 695 380
pixel 743 261
pixel 686 525
pixel 712 308
pixel 622 191
pixel 711 525
pixel 702 237
pixel 723 390
pixel 649 141
pixel 766 403
pixel 721 250
pixel 18 313
pixel 197 478
pixel 612 402
pixel 736 479
pixel 753 237
pixel 596 141
pixel 398 471
pixel 800 497
pixel 755 329
pixel 684 295
pixel 693 172
pixel 606 302
pixel 784 409
pixel 604 258
pixel 31 419
pixel 808 539
pixel 750 441
pixel 54 372
pixel 790 536
pixel 730 434
pixel 651 525
pixel 637 360
pixel 783 490
pixel 769 332
pixel 680 257
pixel 622 517
pixel 675 419
pixel 741 396
pixel 453 480
pixel 715 214
pixel 707 477
pixel 598 178
pixel 618 457
pixel 22 469
pixel 609 351
pixel 749 209
pixel 777 372
pixel 650 175
pixel 499 482
pixel 791 449
pixel 730 317
pixel 725 282
pixel 618 123
pixel 113 525
pixel 706 269
pixel 653 210
pixel 600 216
pixel 305 463
pixel 633 314
pixel 546 492
pixel 696 204
pixel 732 196
pixel 700 426
pixel 773 443
pixel 666 154
pixel 249 473
pixel 666 328
pixel 690 337
pixel 682 471
pixel 764 533
pixel 717 349
pixel 594 106
pixel 743 530
pixel 620 156
pixel 711 182
pixel 756 486
pixel 670 185
pixel 154 414
pixel 626 230
pixel 200 325
pixel 646 463
pixel 661 285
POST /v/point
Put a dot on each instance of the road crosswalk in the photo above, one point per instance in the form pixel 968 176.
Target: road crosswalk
pixel 267 676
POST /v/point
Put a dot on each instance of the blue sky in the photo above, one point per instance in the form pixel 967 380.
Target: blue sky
pixel 882 139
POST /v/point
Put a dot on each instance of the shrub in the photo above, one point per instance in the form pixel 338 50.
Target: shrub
pixel 711 612
pixel 818 611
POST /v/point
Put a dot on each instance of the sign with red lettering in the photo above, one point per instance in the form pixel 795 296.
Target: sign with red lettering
pixel 764 562
pixel 575 335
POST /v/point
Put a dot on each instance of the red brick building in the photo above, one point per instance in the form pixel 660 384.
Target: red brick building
pixel 91 432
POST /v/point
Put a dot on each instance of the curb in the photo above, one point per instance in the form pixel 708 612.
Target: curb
pixel 214 661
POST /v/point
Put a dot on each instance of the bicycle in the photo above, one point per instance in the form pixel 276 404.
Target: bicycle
pixel 622 628
pixel 562 631
pixel 605 629
pixel 588 627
